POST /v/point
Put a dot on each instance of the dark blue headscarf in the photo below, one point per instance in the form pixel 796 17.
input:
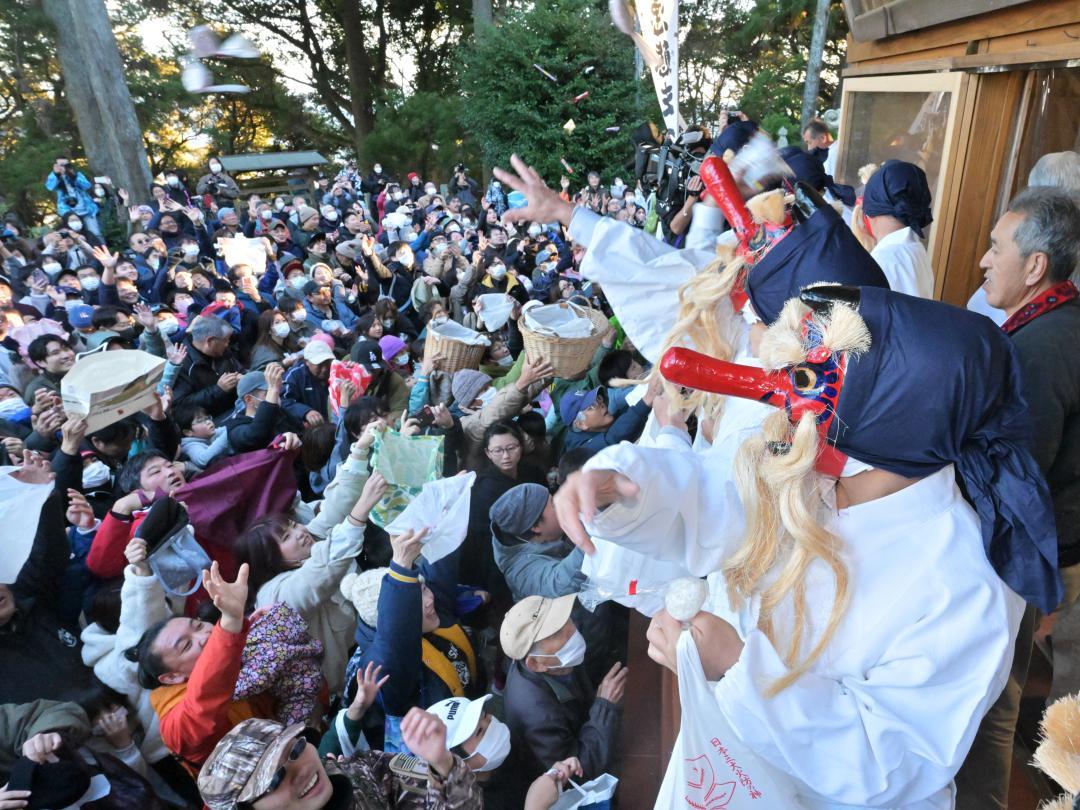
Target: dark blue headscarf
pixel 900 190
pixel 941 385
pixel 811 171
pixel 821 249
pixel 734 137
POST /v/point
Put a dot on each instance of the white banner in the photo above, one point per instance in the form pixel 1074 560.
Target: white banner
pixel 658 42
pixel 659 23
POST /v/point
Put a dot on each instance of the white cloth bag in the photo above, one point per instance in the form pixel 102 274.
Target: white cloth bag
pixel 495 309
pixel 557 321
pixel 596 793
pixel 710 768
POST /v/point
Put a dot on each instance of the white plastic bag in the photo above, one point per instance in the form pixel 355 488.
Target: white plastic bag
pixel 452 330
pixel 443 507
pixel 20 512
pixel 710 767
pixel 495 309
pixel 594 795
pixel 629 577
pixel 559 321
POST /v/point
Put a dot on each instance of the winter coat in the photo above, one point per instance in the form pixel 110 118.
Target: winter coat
pixel 21 721
pixel 626 428
pixel 302 392
pixel 197 382
pixel 556 719
pixel 312 589
pixel 538 569
pixel 142 605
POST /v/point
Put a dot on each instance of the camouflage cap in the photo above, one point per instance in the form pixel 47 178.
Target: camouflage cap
pixel 243 763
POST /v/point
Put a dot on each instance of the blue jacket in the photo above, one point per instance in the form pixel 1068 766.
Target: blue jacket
pixel 396 642
pixel 302 392
pixel 626 428
pixel 69 187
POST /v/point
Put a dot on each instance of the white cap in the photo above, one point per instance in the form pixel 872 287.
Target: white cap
pixel 461 717
pixel 317 352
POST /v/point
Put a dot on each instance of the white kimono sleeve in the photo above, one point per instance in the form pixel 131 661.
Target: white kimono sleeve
pixel 687 512
pixel 896 732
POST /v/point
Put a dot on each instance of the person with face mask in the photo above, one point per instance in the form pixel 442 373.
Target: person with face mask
pixel 176 187
pixel 496 198
pixel 462 186
pixel 551 706
pixel 217 186
pixel 375 183
pixel 72 189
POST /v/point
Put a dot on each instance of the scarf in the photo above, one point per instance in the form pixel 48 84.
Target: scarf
pixel 1045 301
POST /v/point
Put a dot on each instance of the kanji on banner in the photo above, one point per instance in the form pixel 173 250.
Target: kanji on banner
pixel 658 41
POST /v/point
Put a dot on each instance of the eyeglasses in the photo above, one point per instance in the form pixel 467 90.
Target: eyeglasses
pixel 504 451
pixel 279 774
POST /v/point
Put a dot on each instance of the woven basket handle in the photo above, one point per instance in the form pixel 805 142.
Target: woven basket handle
pixel 578 307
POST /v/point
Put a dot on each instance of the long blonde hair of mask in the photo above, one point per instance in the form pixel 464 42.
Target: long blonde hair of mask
pixel 706 323
pixel 784 516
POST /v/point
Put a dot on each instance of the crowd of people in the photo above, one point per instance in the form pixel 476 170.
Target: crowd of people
pixel 872 613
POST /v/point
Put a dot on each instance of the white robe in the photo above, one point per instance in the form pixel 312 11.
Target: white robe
pixel 906 264
pixel 886 716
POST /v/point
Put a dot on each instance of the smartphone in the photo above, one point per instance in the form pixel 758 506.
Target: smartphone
pixel 408 765
pixel 39 277
pixel 426 417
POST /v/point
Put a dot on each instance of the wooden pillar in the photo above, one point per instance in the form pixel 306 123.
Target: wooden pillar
pixel 98 94
pixel 650 721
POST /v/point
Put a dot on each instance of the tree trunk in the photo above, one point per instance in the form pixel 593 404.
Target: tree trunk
pixel 98 94
pixel 481 14
pixel 813 64
pixel 359 65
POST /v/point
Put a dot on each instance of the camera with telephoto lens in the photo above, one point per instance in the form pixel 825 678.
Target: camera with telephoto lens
pixel 461 168
pixel 71 201
pixel 212 187
pixel 665 166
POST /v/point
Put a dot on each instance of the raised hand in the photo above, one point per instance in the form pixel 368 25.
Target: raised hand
pixel 107 259
pixel 35 469
pixel 407 548
pixel 228 597
pixel 544 204
pixel 613 686
pixel 533 371
pixel 79 513
pixel 374 489
pixel 425 735
pixel 146 317
pixel 368 684
pixel 41 747
pixel 137 556
pixel 583 494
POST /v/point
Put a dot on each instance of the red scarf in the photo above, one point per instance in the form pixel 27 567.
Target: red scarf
pixel 1050 299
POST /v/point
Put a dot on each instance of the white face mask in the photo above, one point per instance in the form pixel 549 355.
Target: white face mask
pixel 378 169
pixel 535 230
pixel 505 361
pixel 75 225
pixel 298 317
pixel 388 323
pixel 95 474
pixel 494 746
pixel 215 167
pixel 52 269
pixel 487 396
pixel 331 216
pixel 99 192
pixel 298 282
pixel 397 195
pixel 497 272
pixel 266 214
pixel 280 330
pixel 496 184
pixel 402 359
pixel 572 653
pixel 168 325
pixel 279 205
pixel 191 251
pixel 90 283
pixel 173 181
pixel 429 190
pixel 154 262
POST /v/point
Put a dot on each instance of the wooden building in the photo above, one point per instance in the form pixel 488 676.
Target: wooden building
pixel 975 91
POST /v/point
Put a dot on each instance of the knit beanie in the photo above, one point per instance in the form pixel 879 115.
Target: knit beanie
pixel 467 385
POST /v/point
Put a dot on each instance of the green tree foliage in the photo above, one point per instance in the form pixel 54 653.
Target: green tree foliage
pixel 751 55
pixel 426 120
pixel 509 106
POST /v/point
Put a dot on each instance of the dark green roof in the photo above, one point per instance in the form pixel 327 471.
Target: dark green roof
pixel 268 161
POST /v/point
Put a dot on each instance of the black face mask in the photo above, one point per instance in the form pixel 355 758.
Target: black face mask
pixel 130 333
pixel 820 152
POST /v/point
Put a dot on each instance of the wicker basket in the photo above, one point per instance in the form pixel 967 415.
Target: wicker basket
pixel 571 357
pixel 455 354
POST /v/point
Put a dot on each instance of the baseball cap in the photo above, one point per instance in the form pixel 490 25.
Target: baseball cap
pixel 461 716
pixel 312 287
pixel 575 402
pixel 278 223
pixel 317 352
pixel 80 316
pixel 533 619
pixel 368 354
pixel 250 383
pixel 242 765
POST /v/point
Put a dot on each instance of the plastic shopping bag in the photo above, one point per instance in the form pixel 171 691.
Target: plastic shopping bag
pixel 442 506
pixel 346 371
pixel 407 463
pixel 710 768
pixel 594 795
